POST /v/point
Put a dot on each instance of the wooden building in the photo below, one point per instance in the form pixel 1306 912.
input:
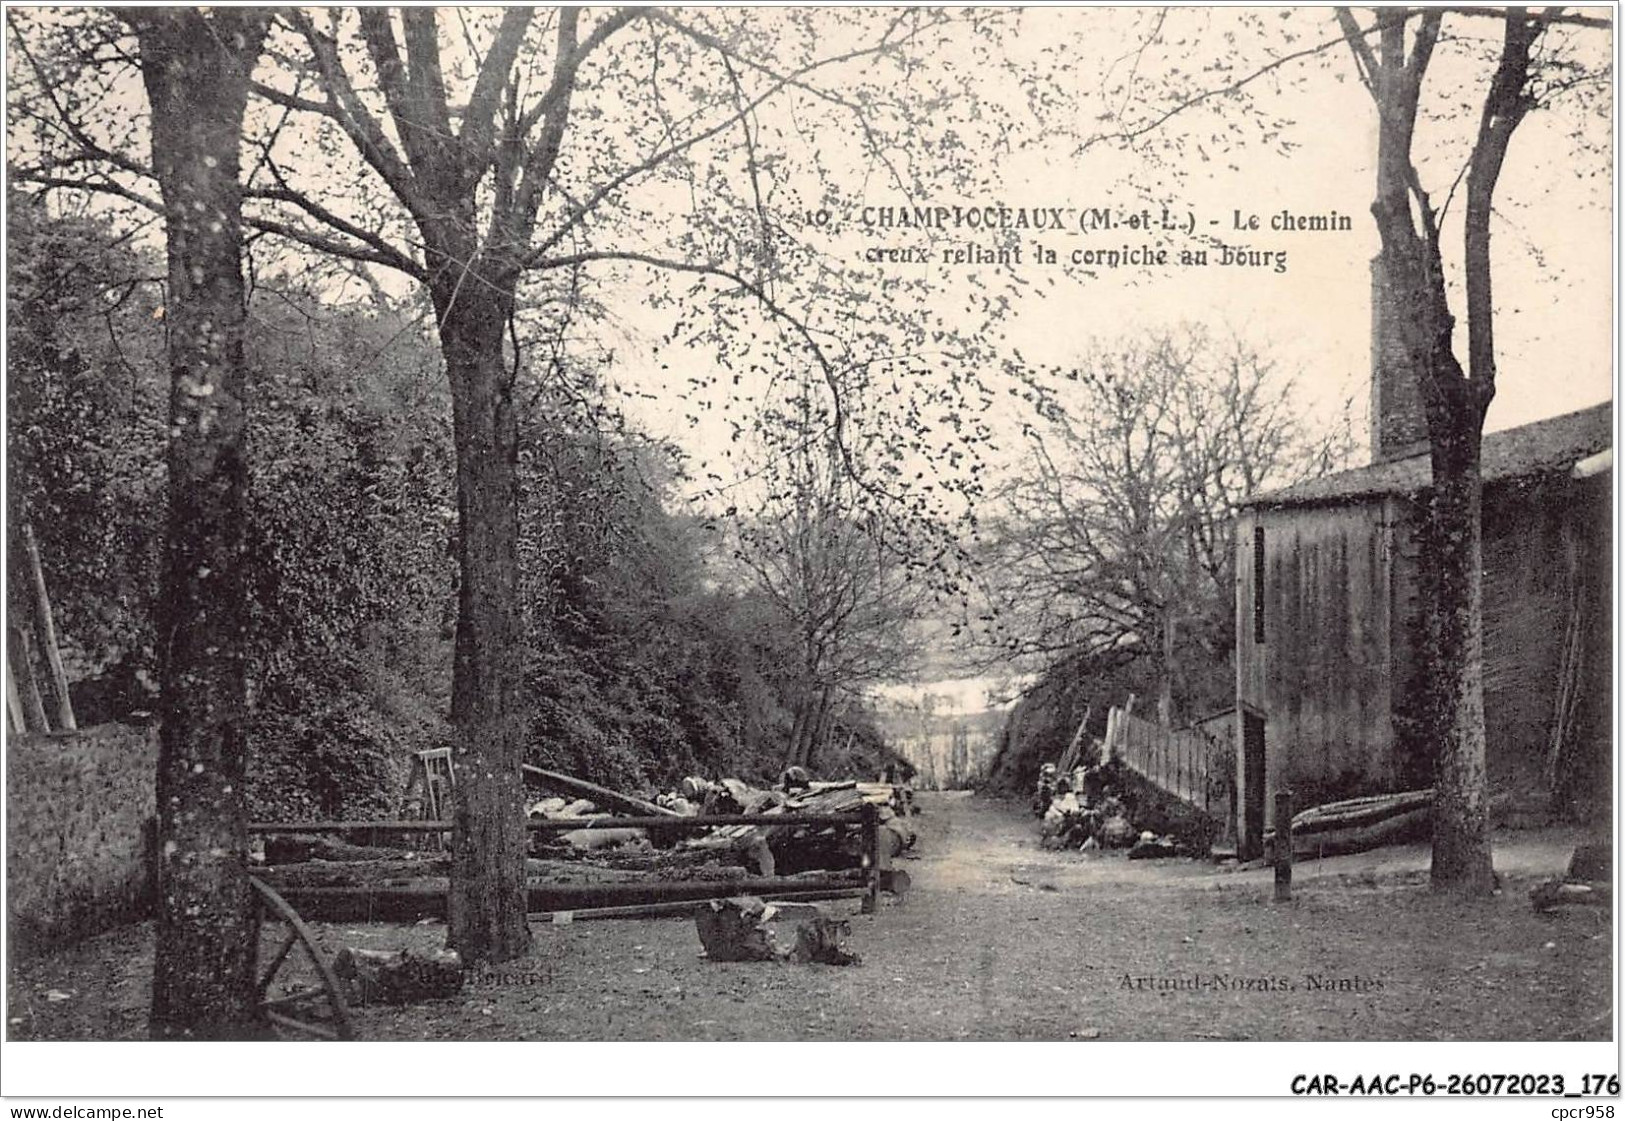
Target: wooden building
pixel 1329 628
pixel 1329 640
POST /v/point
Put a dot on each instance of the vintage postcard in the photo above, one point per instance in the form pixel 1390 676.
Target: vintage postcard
pixel 849 525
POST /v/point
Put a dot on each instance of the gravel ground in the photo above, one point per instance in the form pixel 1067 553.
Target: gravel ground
pixel 1000 940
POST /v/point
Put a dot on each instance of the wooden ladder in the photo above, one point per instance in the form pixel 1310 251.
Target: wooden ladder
pixel 438 782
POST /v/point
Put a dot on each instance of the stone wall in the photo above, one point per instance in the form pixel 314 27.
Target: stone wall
pixel 79 826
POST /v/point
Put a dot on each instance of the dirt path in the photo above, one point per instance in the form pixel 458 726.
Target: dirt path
pixel 1001 940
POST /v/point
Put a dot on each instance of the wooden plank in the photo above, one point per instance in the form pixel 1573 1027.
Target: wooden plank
pixel 14 704
pixel 683 908
pixel 697 822
pixel 602 795
pixel 48 643
pixel 22 672
pixel 410 902
pixel 563 824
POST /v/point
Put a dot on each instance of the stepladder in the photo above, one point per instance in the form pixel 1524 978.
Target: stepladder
pixel 432 774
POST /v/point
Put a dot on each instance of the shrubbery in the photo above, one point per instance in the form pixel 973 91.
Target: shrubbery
pixel 643 665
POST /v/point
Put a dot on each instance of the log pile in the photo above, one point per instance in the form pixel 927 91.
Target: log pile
pixel 1359 824
pixel 747 929
pixel 603 869
pixel 1077 820
pixel 397 976
pixel 778 849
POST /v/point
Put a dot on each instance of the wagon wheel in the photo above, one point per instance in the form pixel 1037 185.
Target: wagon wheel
pixel 312 1003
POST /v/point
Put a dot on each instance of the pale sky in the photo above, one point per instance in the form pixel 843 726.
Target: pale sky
pixel 1555 313
pixel 1553 240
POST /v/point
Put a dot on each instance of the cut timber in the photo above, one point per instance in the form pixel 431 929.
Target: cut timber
pixel 601 795
pixel 1074 749
pixel 410 902
pixel 1359 824
pixel 398 976
pixel 1557 893
pixel 591 840
pixel 747 840
pixel 47 634
pixel 1359 811
pixel 748 929
pixel 680 909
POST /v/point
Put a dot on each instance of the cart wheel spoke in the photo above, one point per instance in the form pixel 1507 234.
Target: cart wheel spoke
pixel 288 944
pixel 299 934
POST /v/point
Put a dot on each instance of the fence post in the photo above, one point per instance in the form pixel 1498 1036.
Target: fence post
pixel 1283 846
pixel 871 857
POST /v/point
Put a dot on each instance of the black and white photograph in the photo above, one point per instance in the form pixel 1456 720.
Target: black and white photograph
pixel 795 525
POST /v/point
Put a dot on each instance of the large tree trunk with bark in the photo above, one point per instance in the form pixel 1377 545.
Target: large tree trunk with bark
pixel 1455 400
pixel 1461 842
pixel 196 72
pixel 487 900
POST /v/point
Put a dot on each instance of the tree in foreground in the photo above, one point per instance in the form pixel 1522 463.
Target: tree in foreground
pixel 196 70
pixel 1455 394
pixel 1537 59
pixel 482 152
pixel 528 149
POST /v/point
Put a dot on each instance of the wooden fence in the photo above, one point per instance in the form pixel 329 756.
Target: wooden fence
pixel 1184 762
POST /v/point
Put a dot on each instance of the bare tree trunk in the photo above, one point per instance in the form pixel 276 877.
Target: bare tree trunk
pixel 487 900
pixel 196 71
pixel 798 728
pixel 1461 840
pixel 818 733
pixel 1455 404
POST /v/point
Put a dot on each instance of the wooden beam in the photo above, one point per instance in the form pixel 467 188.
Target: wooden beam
pixel 685 907
pixel 14 704
pixel 21 661
pixel 410 902
pixel 47 626
pixel 562 824
pixel 602 795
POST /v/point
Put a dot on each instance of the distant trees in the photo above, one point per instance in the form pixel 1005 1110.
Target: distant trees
pixel 641 669
pixel 1115 542
pixel 844 592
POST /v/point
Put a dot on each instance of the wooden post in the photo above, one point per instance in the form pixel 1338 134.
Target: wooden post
pixel 22 676
pixel 47 634
pixel 14 704
pixel 871 857
pixel 1283 846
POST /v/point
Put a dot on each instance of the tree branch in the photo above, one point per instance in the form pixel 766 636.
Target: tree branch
pixel 478 132
pixel 363 129
pixel 380 251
